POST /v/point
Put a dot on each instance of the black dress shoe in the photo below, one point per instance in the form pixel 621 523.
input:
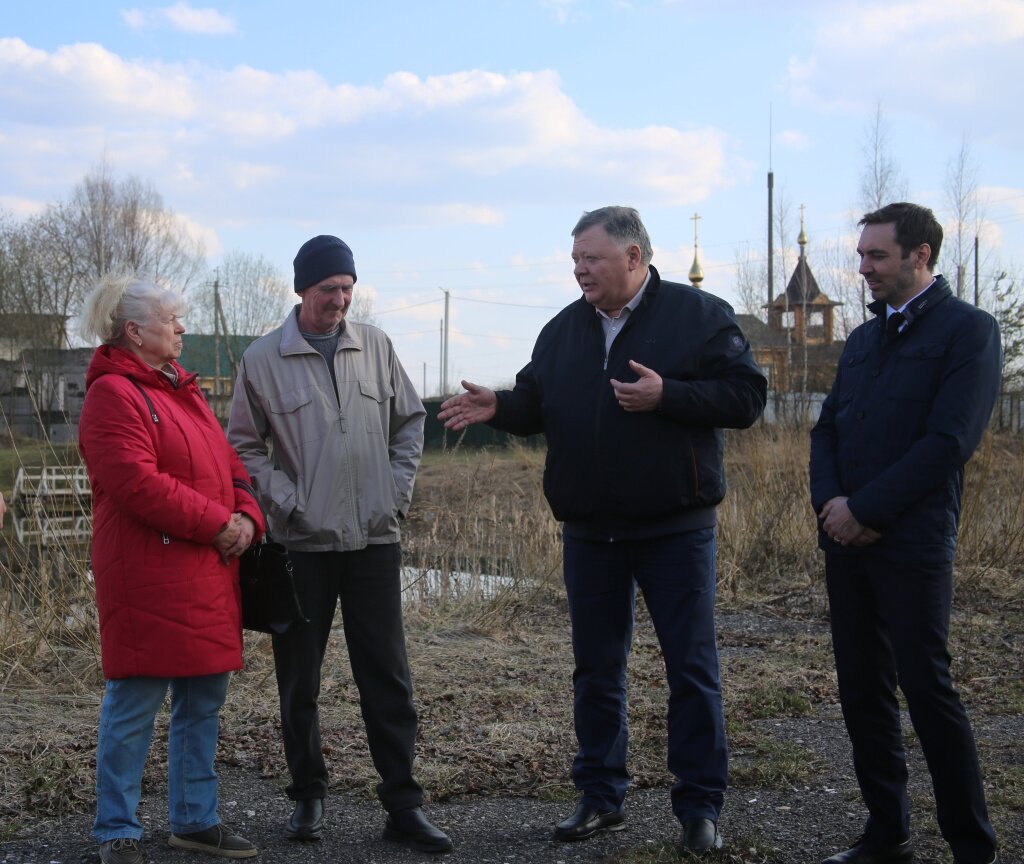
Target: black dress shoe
pixel 307 820
pixel 411 828
pixel 587 821
pixel 863 852
pixel 700 836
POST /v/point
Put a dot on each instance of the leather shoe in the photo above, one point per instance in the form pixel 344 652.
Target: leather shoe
pixel 307 820
pixel 411 828
pixel 587 821
pixel 700 836
pixel 864 853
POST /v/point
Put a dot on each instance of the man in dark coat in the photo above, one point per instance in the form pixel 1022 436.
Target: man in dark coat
pixel 912 396
pixel 632 385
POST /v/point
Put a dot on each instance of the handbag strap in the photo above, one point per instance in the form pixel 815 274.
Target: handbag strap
pixel 246 486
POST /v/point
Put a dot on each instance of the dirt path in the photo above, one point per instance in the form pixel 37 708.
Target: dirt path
pixel 495 718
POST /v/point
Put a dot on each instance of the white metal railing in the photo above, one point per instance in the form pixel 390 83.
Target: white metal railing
pixel 37 529
pixel 51 481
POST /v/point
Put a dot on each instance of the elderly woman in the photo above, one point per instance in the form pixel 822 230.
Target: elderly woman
pixel 168 526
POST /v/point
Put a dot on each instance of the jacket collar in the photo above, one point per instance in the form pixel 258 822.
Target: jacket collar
pixel 922 304
pixel 649 294
pixel 114 360
pixel 293 343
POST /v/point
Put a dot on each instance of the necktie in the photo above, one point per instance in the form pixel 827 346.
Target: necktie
pixel 892 326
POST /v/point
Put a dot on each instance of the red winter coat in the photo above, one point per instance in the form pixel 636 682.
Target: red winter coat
pixel 161 477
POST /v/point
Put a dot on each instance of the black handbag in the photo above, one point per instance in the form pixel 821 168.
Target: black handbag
pixel 270 603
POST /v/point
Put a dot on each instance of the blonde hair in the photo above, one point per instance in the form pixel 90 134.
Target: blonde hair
pixel 122 296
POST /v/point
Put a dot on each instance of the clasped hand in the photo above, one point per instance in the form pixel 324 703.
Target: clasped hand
pixel 235 537
pixel 839 523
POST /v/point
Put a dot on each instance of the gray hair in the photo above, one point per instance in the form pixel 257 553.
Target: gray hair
pixel 122 296
pixel 623 226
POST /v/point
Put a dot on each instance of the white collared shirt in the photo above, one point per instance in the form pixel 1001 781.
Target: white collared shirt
pixel 613 326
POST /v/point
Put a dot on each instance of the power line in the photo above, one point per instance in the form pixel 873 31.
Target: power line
pixel 504 303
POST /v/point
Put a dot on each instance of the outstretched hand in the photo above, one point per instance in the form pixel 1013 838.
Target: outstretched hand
pixel 476 405
pixel 643 394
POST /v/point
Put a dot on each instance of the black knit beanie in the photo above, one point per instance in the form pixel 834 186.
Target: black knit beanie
pixel 320 258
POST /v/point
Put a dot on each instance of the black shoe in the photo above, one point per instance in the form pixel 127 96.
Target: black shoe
pixel 307 820
pixel 123 850
pixel 411 828
pixel 700 836
pixel 587 821
pixel 863 852
pixel 216 840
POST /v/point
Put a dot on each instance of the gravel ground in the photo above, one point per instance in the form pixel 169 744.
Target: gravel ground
pixel 793 826
pixel 776 825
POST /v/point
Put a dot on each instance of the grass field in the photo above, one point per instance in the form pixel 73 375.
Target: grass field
pixel 493 676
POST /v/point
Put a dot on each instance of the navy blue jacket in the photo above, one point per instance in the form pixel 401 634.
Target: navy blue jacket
pixel 618 474
pixel 901 422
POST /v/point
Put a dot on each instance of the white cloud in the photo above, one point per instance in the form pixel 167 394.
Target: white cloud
pixel 21 208
pixel 563 10
pixel 181 16
pixel 794 139
pixel 203 234
pixel 471 214
pixel 942 60
pixel 86 84
pixel 292 145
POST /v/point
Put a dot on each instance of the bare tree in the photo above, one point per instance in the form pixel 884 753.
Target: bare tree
pixel 962 200
pixel 1008 308
pixel 36 292
pixel 252 294
pixel 361 309
pixel 751 282
pixel 106 222
pixel 881 180
pixel 835 263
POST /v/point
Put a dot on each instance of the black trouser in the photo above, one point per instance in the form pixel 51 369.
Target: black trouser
pixel 890 625
pixel 369 585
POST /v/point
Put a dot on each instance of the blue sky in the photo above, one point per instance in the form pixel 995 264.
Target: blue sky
pixel 454 144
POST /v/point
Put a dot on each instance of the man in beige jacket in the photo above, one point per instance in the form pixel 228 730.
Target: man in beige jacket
pixel 331 429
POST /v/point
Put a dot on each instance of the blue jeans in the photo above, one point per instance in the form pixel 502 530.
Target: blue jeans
pixel 676 574
pixel 126 729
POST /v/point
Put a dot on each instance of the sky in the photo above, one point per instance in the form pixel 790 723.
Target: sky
pixel 454 144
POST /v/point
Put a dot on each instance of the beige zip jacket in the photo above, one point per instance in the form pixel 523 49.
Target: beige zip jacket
pixel 334 468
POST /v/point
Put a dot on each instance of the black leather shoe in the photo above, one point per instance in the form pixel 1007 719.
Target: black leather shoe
pixel 700 836
pixel 411 828
pixel 307 820
pixel 587 821
pixel 864 853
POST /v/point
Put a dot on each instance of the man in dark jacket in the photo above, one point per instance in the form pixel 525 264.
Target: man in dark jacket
pixel 912 396
pixel 631 386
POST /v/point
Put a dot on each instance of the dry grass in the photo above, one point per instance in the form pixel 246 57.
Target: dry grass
pixel 492 667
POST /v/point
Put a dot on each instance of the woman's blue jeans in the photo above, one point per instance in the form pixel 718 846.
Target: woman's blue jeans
pixel 126 729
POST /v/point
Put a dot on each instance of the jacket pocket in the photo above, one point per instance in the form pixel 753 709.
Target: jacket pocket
pixel 917 372
pixel 375 405
pixel 851 375
pixel 297 416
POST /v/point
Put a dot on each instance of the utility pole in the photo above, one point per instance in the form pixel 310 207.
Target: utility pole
pixel 440 360
pixel 444 347
pixel 976 270
pixel 216 334
pixel 771 241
